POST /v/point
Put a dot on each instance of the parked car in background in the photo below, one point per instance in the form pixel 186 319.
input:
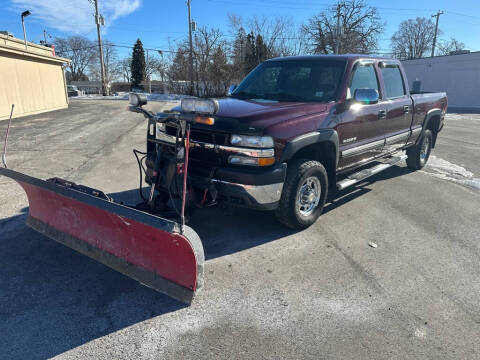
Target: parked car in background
pixel 74 91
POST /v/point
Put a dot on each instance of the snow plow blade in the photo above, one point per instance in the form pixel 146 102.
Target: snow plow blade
pixel 147 248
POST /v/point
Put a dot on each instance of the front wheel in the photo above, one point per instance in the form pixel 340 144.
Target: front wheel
pixel 418 154
pixel 304 194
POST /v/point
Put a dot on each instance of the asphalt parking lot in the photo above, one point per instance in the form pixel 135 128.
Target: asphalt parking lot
pixel 270 293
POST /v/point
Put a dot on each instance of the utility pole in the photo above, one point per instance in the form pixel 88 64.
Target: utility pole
pixel 45 36
pixel 191 47
pixel 98 21
pixel 149 81
pixel 162 71
pixel 437 15
pixel 338 38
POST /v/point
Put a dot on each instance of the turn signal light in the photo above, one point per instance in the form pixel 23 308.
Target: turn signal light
pixel 266 161
pixel 204 120
pixel 252 161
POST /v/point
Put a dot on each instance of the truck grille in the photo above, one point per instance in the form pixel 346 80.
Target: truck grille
pixel 209 137
pixel 202 157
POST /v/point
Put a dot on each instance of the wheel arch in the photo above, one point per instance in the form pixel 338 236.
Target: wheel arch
pixel 321 145
pixel 432 123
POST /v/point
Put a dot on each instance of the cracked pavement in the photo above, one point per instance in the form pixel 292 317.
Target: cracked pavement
pixel 269 292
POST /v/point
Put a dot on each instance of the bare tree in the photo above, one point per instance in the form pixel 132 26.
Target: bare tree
pixel 295 42
pixel 413 39
pixel 206 44
pixel 446 47
pixel 80 51
pixel 279 34
pixel 110 56
pixel 157 66
pixel 274 33
pixel 213 73
pixel 124 68
pixel 359 30
pixel 153 65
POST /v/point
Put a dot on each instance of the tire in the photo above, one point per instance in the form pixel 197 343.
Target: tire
pixel 418 154
pixel 307 177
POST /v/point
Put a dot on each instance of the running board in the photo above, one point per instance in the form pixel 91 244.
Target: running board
pixel 363 174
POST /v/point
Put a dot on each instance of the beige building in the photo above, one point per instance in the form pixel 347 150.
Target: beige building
pixel 33 79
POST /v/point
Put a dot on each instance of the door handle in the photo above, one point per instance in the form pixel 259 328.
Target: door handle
pixel 382 114
pixel 406 109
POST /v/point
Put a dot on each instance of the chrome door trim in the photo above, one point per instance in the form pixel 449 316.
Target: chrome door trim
pixel 363 148
pixel 398 137
pixel 417 130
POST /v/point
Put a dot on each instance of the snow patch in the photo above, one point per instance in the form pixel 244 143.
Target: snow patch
pixel 449 117
pixel 445 170
pixel 446 167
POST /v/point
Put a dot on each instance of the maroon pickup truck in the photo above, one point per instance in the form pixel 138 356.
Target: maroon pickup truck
pixel 299 128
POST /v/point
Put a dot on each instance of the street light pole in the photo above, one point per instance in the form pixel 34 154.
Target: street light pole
pixel 100 47
pixel 24 15
pixel 437 15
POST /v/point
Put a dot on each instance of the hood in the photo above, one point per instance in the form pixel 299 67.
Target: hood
pixel 254 116
pixel 264 113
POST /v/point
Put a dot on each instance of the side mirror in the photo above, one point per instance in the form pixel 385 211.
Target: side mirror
pixel 231 89
pixel 136 99
pixel 366 96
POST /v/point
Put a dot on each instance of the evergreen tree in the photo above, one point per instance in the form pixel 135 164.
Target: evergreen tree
pixel 260 49
pixel 179 67
pixel 138 66
pixel 250 53
pixel 239 54
pixel 256 51
pixel 219 72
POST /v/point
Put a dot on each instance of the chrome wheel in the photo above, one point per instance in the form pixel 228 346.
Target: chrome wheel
pixel 308 196
pixel 424 149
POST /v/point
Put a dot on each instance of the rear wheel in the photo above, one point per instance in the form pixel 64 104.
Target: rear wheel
pixel 418 155
pixel 304 194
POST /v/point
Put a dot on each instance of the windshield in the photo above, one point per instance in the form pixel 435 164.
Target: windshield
pixel 293 80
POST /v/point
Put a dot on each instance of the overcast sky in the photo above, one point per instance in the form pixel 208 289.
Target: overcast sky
pixel 160 22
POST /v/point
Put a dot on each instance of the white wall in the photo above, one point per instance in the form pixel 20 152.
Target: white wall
pixel 457 75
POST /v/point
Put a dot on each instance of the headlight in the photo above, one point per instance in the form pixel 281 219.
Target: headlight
pixel 252 141
pixel 260 157
pixel 200 106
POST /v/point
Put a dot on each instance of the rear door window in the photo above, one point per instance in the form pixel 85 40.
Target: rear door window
pixel 393 81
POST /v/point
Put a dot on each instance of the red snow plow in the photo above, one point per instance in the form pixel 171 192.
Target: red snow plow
pixel 149 241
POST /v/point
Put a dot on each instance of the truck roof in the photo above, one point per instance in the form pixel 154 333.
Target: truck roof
pixel 332 57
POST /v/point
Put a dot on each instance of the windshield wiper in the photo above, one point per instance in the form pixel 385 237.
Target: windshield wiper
pixel 284 97
pixel 244 95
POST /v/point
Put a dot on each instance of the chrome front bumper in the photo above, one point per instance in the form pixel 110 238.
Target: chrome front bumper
pixel 261 197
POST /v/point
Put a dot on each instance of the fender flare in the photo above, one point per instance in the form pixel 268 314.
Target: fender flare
pixel 428 117
pixel 319 136
pixel 430 114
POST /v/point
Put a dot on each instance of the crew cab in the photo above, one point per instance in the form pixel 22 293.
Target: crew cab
pixel 297 129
